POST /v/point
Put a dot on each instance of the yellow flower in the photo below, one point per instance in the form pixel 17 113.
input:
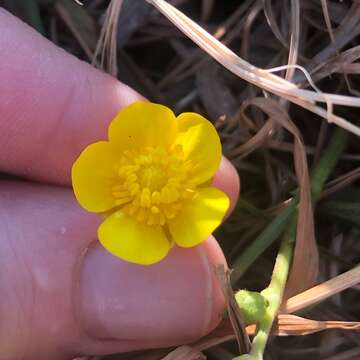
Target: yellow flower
pixel 152 179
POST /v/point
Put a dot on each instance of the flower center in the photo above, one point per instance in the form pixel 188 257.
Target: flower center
pixel 152 184
pixel 153 177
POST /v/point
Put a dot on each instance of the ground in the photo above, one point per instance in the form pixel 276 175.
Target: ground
pixel 161 63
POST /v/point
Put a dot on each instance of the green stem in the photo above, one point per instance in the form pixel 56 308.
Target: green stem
pixel 328 161
pixel 251 209
pixel 263 241
pixel 276 227
pixel 274 292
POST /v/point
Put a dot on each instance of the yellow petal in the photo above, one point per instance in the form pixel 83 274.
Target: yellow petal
pixel 199 218
pixel 143 124
pixel 91 177
pixel 201 145
pixel 127 239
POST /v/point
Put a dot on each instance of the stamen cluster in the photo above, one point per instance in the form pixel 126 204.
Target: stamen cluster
pixel 152 184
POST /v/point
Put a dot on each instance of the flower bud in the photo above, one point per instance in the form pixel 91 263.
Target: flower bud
pixel 252 305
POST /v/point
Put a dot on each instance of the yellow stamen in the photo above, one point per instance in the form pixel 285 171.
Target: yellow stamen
pixel 155 197
pixel 155 210
pixel 153 184
pixel 122 201
pixel 145 198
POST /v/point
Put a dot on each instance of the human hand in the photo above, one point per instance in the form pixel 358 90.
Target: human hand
pixel 62 294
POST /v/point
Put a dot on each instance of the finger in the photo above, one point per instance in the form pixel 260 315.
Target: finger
pixel 62 297
pixel 53 105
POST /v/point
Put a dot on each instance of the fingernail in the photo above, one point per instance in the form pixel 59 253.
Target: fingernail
pixel 174 301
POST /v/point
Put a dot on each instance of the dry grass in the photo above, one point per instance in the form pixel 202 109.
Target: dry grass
pixel 285 66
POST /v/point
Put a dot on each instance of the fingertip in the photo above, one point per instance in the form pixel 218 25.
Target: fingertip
pixel 92 302
pixel 173 302
pixel 227 179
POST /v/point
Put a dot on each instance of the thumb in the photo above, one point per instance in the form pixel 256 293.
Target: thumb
pixel 62 296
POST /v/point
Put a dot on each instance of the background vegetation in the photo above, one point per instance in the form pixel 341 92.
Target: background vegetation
pixel 156 59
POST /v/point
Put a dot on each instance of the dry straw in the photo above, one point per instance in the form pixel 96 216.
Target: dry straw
pixel 259 77
pixel 106 46
pixel 285 323
pixel 305 262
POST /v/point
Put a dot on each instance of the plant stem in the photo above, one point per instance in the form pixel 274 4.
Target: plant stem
pixel 276 227
pixel 327 162
pixel 251 209
pixel 274 292
pixel 272 232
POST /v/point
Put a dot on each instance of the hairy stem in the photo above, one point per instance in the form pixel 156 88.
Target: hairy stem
pixel 274 292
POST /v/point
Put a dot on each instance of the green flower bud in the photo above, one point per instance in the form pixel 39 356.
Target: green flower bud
pixel 252 305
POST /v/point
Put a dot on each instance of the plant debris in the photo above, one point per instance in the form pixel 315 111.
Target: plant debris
pixel 292 64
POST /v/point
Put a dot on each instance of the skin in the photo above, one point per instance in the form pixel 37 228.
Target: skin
pixel 62 294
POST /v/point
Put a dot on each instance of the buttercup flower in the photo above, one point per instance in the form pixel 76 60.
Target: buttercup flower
pixel 152 180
